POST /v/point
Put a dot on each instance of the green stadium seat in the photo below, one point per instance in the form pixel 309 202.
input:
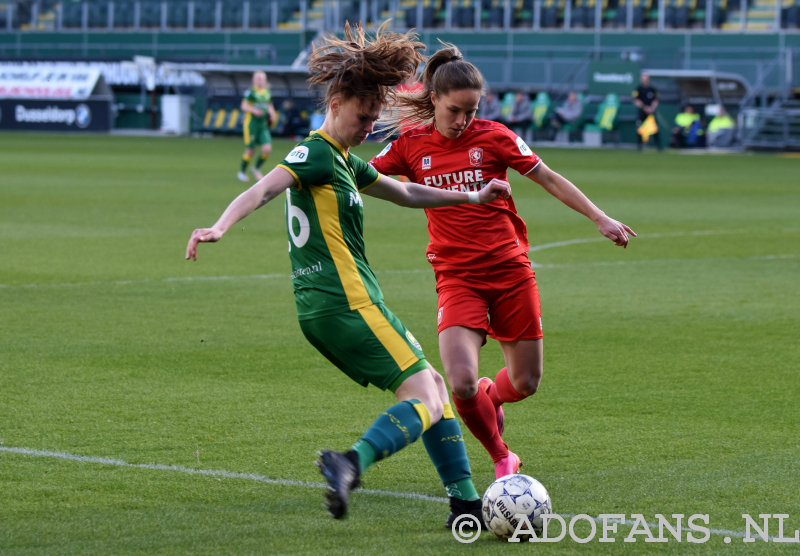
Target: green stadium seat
pixel 540 108
pixel 606 116
pixel 507 105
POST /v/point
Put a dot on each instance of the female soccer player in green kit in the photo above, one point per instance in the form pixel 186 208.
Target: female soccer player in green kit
pixel 339 302
pixel 259 112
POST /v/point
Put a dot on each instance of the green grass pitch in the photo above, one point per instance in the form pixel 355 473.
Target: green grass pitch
pixel 671 378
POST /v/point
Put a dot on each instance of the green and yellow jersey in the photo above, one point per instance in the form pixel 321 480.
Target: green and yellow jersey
pixel 325 221
pixel 261 99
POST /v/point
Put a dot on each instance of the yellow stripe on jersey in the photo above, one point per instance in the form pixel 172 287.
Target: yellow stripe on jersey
pixel 332 141
pixel 424 415
pixel 298 184
pixel 328 213
pixel 370 185
pixel 391 339
pixel 246 127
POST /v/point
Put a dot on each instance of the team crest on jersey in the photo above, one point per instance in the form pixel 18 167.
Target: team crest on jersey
pixel 441 315
pixel 426 163
pixel 476 156
pixel 413 340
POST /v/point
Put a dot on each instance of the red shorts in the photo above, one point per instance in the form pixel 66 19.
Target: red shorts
pixel 503 300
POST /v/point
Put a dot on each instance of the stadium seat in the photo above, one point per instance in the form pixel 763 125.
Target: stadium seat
pixel 790 15
pixel 150 14
pixel 98 14
pixel 260 15
pixel 71 14
pixel 550 13
pixel 205 14
pixel 232 14
pixel 540 108
pixel 123 14
pixel 507 105
pixel 606 116
pixel 177 15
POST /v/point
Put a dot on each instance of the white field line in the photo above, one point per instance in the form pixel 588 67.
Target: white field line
pixel 426 270
pixel 287 482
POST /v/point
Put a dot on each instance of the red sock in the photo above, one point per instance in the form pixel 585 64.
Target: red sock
pixel 480 416
pixel 502 390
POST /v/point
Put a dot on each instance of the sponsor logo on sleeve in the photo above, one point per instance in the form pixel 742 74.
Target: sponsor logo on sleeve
pixel 476 156
pixel 426 163
pixel 298 154
pixel 384 151
pixel 410 337
pixel 524 149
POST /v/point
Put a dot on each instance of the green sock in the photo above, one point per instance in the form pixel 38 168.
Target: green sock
pixel 396 428
pixel 463 489
pixel 366 454
pixel 445 447
pixel 245 162
pixel 261 160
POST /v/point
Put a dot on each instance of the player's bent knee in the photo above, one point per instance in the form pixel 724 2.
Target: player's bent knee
pixel 435 409
pixel 527 385
pixel 464 390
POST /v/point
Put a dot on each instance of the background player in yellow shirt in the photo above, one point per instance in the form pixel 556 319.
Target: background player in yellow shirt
pixel 259 112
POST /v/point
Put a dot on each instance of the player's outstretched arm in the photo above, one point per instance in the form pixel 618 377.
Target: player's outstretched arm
pixel 562 189
pixel 261 193
pixel 414 195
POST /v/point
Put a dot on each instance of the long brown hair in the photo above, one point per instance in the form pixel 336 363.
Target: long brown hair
pixel 359 67
pixel 445 71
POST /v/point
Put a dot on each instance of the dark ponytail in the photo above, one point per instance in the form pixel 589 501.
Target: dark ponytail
pixel 445 71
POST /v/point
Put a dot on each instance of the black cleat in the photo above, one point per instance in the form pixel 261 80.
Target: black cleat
pixel 460 507
pixel 342 474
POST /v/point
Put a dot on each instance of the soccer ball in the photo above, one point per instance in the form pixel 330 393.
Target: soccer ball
pixel 511 495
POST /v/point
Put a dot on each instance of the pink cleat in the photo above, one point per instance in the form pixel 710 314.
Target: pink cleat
pixel 484 384
pixel 508 465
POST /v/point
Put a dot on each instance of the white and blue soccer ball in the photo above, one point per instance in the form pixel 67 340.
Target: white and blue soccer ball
pixel 512 495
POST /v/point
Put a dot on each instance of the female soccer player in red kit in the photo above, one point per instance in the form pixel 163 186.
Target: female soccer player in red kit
pixel 479 252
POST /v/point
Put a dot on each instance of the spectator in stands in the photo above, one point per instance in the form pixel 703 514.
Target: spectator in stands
pixel 567 113
pixel 721 130
pixel 521 115
pixel 491 109
pixel 645 98
pixel 688 130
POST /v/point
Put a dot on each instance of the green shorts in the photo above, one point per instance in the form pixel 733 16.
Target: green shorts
pixel 369 345
pixel 256 134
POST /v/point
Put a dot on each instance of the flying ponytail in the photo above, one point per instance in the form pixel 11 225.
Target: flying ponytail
pixel 363 68
pixel 445 71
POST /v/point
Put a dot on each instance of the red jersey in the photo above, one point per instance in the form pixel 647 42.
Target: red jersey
pixel 464 236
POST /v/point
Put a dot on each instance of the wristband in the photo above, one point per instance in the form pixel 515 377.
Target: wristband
pixel 473 198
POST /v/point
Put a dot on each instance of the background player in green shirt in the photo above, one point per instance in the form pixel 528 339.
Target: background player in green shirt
pixel 340 305
pixel 259 112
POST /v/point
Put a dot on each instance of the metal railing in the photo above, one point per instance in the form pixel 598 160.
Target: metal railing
pixel 330 15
